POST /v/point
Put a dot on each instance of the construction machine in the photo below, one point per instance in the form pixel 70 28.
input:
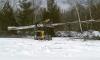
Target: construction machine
pixel 43 29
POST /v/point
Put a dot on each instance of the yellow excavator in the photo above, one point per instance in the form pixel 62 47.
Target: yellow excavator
pixel 41 35
pixel 42 29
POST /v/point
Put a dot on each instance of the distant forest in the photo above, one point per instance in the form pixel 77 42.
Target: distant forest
pixel 29 14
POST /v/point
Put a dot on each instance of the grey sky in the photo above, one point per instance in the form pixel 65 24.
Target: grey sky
pixel 63 4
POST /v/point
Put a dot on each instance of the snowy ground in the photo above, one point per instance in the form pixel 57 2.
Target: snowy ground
pixel 57 49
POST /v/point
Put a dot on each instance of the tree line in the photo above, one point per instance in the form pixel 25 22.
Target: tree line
pixel 86 12
pixel 29 14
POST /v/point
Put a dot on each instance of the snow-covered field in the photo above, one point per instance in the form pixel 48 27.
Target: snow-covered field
pixel 56 49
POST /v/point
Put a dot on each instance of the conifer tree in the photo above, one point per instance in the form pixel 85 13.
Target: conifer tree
pixel 7 17
pixel 25 13
pixel 53 11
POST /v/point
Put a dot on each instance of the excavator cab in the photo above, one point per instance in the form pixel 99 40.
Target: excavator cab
pixel 39 35
pixel 42 34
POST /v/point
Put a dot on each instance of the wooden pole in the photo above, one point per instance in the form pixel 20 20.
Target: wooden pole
pixel 79 19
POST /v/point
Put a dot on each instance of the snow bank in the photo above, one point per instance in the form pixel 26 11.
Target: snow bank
pixel 96 33
pixel 89 34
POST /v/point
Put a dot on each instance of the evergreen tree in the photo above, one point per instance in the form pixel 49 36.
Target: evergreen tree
pixel 44 14
pixel 53 12
pixel 25 13
pixel 7 18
